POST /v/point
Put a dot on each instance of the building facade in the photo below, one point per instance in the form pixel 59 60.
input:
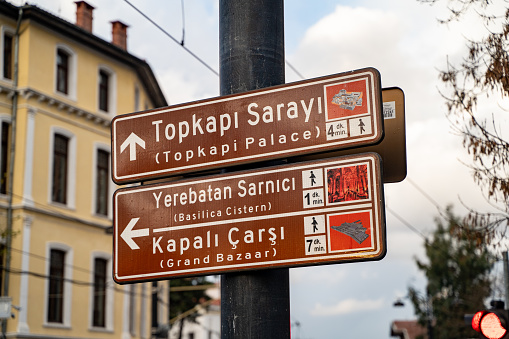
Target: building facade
pixel 60 86
pixel 207 324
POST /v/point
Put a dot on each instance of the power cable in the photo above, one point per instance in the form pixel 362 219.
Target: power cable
pixel 77 268
pixel 109 283
pixel 181 43
pixel 172 38
pixel 71 281
pixel 404 222
pixel 440 210
pixel 426 195
pixel 295 70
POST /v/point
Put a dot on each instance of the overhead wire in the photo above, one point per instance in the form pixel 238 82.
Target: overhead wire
pixel 181 43
pixel 77 268
pixel 294 69
pixel 172 38
pixel 108 286
pixel 404 222
pixel 426 195
pixel 109 283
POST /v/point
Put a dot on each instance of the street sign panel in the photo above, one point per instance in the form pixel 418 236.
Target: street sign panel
pixel 311 213
pixel 323 114
pixel 392 148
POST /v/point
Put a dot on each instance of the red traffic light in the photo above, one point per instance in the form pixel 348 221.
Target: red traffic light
pixel 491 324
pixel 476 321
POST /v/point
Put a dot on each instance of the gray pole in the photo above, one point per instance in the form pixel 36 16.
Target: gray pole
pixel 251 47
pixel 506 279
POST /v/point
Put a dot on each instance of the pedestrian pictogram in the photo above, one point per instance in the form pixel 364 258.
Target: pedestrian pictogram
pixel 314 223
pixel 312 178
pixel 361 126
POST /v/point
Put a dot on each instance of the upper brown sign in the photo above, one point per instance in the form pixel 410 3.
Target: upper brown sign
pixel 323 114
pixel 320 212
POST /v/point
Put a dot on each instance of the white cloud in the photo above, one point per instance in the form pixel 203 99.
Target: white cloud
pixel 347 306
pixel 344 40
pixel 323 275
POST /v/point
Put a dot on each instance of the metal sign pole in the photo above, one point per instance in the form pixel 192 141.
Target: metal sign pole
pixel 254 304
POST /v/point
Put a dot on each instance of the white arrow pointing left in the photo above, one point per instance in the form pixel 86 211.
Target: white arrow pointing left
pixel 131 142
pixel 128 234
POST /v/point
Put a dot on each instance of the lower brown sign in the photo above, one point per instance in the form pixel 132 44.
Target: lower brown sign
pixel 311 213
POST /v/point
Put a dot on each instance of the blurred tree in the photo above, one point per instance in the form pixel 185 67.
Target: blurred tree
pixel 483 72
pixel 184 300
pixel 457 269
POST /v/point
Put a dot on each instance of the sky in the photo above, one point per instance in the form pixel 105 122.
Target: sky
pixel 405 42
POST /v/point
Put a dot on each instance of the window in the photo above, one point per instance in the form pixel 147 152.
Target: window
pixel 66 61
pixel 136 99
pixel 101 297
pixel 60 168
pixel 8 56
pixel 4 155
pixel 56 286
pixel 2 272
pixel 106 90
pixel 104 80
pixel 99 306
pixel 62 71
pixel 102 182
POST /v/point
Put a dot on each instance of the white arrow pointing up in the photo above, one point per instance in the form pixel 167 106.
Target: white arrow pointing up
pixel 131 141
pixel 128 234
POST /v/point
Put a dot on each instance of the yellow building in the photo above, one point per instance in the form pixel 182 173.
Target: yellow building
pixel 60 86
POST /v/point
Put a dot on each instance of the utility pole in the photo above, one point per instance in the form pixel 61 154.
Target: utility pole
pixel 506 278
pixel 253 304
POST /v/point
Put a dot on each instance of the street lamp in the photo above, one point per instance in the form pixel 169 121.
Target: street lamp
pixel 429 314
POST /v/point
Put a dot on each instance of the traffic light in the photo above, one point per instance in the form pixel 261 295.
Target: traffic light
pixel 491 324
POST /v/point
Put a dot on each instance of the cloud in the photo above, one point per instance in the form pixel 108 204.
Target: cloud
pixel 321 274
pixel 347 306
pixel 356 37
pixel 344 40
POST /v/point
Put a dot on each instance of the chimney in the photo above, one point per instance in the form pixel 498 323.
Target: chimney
pixel 119 34
pixel 84 15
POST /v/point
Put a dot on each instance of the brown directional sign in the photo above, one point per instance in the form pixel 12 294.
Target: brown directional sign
pixel 392 148
pixel 323 114
pixel 311 213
